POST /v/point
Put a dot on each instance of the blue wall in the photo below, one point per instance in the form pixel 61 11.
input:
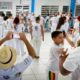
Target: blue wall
pixel 73 7
pixel 32 6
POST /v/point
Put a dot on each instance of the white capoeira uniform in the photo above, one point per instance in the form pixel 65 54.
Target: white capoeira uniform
pixel 54 61
pixel 72 63
pixel 37 39
pixel 9 24
pixel 53 21
pixel 76 33
pixel 19 43
pixel 1 26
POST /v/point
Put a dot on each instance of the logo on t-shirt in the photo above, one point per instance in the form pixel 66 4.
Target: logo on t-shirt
pixel 36 28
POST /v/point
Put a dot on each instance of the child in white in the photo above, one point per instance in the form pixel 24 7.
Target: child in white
pixel 58 39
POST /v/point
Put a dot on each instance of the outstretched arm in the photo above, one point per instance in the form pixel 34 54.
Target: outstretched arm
pixel 70 42
pixel 62 59
pixel 42 32
pixel 30 49
pixel 8 37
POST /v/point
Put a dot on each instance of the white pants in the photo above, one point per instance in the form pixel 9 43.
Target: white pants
pixel 36 42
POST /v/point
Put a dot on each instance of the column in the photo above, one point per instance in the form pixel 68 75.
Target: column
pixel 32 6
pixel 73 7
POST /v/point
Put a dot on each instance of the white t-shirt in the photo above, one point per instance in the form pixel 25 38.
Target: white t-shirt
pixel 54 58
pixel 20 28
pixel 32 18
pixel 64 28
pixel 10 24
pixel 53 21
pixel 73 60
pixel 1 20
pixel 42 20
pixel 36 30
pixel 58 16
pixel 1 25
pixel 76 25
pixel 19 66
pixel 76 33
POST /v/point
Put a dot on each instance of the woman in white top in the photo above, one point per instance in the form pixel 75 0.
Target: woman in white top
pixel 62 27
pixel 37 34
pixel 18 27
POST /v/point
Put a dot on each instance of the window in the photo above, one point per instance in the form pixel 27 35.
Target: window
pixel 20 9
pixel 65 8
pixel 25 8
pixel 77 10
pixel 49 10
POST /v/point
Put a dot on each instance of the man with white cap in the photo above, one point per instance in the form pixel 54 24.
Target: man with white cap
pixel 9 68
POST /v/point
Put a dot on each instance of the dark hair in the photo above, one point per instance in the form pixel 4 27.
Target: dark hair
pixel 5 18
pixel 16 20
pixel 70 17
pixel 37 18
pixel 54 34
pixel 61 22
pixel 2 13
pixel 78 43
pixel 9 15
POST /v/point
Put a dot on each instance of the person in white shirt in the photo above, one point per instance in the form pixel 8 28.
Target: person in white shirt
pixel 9 22
pixel 69 62
pixel 58 16
pixel 76 29
pixel 1 23
pixel 14 72
pixel 37 35
pixel 62 27
pixel 58 39
pixel 17 28
pixel 42 20
pixel 33 17
pixel 53 22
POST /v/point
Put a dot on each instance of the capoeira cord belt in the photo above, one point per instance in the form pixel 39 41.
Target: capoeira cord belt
pixel 51 76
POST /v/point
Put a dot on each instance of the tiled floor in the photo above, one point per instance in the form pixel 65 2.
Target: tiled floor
pixel 38 70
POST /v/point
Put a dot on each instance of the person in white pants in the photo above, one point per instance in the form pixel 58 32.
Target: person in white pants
pixel 37 34
pixel 53 22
